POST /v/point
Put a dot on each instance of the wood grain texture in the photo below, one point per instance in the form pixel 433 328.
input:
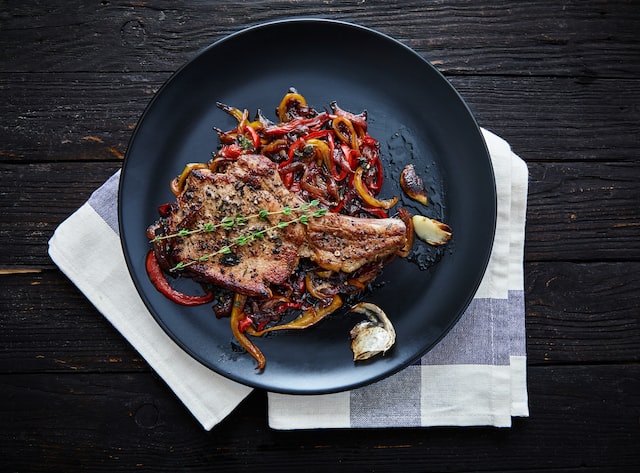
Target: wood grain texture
pixel 523 38
pixel 91 116
pixel 138 426
pixel 582 312
pixel 559 80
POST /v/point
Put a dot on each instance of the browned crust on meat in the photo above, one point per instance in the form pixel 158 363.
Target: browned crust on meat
pixel 252 184
pixel 249 185
pixel 343 243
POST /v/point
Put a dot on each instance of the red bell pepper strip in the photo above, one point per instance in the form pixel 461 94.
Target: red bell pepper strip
pixel 255 138
pixel 245 323
pixel 377 184
pixel 160 282
pixel 230 151
pixel 291 153
pixel 287 179
pixel 350 162
pixel 371 151
pixel 376 211
pixel 300 142
pixel 284 128
pixel 165 210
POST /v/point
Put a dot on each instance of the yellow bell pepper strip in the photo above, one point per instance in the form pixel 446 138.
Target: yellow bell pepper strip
pixel 352 139
pixel 366 195
pixel 321 151
pixel 240 327
pixel 283 108
pixel 177 184
pixel 312 287
pixel 308 318
pixel 274 147
pixel 234 112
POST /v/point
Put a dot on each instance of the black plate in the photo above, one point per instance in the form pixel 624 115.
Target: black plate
pixel 417 116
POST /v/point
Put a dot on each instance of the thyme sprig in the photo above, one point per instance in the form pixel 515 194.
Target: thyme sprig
pixel 239 220
pixel 249 237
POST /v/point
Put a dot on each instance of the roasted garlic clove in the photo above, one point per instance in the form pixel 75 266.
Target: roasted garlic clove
pixel 431 231
pixel 413 185
pixel 372 336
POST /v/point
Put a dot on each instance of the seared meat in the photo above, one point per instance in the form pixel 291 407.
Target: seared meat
pixel 251 184
pixel 247 186
pixel 344 243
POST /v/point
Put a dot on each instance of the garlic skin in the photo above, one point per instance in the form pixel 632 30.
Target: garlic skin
pixel 431 231
pixel 372 336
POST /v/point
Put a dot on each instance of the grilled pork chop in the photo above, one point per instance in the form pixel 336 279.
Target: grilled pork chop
pixel 249 185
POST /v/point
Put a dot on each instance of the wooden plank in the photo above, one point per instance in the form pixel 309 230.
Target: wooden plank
pixel 91 116
pixel 523 38
pixel 83 117
pixel 583 212
pixel 582 312
pixel 576 313
pixel 35 199
pixel 557 119
pixel 48 325
pixel 576 211
pixel 121 422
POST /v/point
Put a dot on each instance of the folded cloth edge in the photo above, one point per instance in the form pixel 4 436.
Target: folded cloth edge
pixel 85 236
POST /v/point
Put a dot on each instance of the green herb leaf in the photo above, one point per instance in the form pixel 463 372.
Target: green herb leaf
pixel 227 222
pixel 245 143
pixel 319 212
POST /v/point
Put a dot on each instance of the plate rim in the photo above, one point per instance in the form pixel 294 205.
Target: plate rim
pixel 397 43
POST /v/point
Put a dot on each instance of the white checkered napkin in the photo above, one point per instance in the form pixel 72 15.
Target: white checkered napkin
pixel 465 380
pixel 476 375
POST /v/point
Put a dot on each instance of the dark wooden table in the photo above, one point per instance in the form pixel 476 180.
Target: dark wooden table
pixel 560 80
